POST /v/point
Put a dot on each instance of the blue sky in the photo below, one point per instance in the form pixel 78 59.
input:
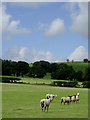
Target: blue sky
pixel 45 31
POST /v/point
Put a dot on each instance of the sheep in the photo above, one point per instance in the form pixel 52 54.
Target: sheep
pixel 73 98
pixel 45 103
pixel 62 99
pixel 77 97
pixel 65 100
pixel 50 96
pixel 70 98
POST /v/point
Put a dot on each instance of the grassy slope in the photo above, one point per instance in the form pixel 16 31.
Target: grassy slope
pixel 23 101
pixel 78 66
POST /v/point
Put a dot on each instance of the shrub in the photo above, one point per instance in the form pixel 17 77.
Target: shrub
pixel 71 84
pixel 86 84
pixel 9 79
pixel 65 84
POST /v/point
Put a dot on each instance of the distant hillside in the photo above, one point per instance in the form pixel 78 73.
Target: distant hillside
pixel 78 66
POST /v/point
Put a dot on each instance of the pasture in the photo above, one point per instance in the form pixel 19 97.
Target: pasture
pixel 78 66
pixel 23 101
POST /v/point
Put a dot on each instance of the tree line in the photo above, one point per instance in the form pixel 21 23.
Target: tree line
pixel 39 69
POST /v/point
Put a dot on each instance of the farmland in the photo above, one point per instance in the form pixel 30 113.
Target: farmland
pixel 23 101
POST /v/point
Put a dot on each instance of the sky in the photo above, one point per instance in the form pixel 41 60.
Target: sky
pixel 51 31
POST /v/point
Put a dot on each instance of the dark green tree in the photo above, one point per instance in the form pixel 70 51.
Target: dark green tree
pixel 85 60
pixel 79 76
pixel 0 66
pixel 22 68
pixel 64 72
pixel 39 69
pixel 6 67
pixel 53 67
pixel 87 74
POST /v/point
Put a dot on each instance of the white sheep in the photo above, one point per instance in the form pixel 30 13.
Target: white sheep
pixel 51 96
pixel 45 103
pixel 65 100
pixel 73 98
pixel 77 97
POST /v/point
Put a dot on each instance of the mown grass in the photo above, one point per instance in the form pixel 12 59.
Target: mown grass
pixel 23 101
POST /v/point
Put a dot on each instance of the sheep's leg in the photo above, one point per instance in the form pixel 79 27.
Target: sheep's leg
pixel 47 109
pixel 77 101
pixel 44 108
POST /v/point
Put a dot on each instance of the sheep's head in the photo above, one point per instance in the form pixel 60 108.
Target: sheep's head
pixel 54 96
pixel 78 94
pixel 50 99
pixel 75 96
pixel 70 97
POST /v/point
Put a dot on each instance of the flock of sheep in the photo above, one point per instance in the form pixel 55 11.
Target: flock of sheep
pixel 44 103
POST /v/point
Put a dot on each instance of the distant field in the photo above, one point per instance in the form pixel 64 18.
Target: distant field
pixel 78 66
pixel 23 101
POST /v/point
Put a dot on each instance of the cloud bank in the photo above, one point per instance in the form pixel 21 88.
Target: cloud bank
pixel 78 54
pixel 80 19
pixel 24 54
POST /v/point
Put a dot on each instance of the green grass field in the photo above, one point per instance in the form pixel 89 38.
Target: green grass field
pixel 23 101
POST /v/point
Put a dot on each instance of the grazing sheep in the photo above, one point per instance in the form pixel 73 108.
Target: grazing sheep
pixel 77 97
pixel 70 98
pixel 50 96
pixel 73 98
pixel 62 99
pixel 65 100
pixel 45 103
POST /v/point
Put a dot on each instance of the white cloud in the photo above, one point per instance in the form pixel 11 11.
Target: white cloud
pixel 24 54
pixel 55 28
pixel 80 20
pixel 79 53
pixel 10 28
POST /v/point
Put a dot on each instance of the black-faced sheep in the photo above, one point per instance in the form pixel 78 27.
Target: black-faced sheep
pixel 73 98
pixel 50 96
pixel 65 100
pixel 77 97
